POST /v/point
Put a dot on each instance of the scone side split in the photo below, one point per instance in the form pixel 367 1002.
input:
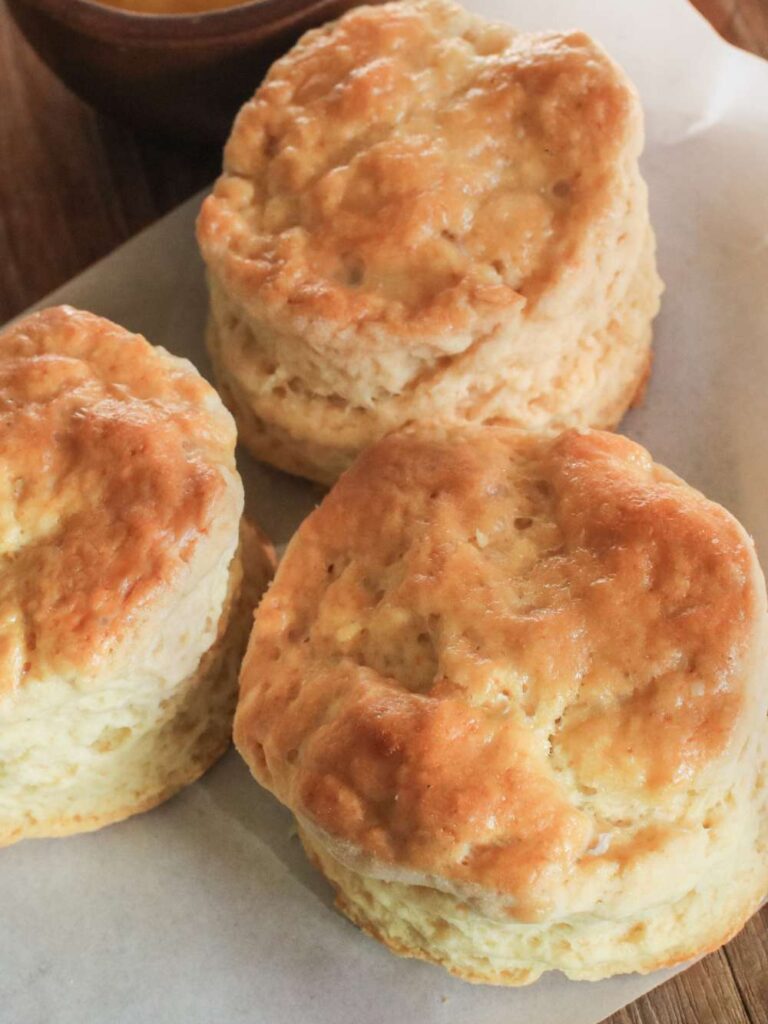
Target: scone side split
pixel 520 713
pixel 127 581
pixel 426 216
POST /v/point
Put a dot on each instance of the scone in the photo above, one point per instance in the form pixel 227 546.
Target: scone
pixel 426 216
pixel 512 686
pixel 125 594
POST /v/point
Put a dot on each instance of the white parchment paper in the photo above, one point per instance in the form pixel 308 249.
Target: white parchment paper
pixel 205 910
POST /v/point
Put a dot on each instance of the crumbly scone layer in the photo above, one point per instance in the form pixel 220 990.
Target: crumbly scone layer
pixel 589 382
pixel 75 762
pixel 416 921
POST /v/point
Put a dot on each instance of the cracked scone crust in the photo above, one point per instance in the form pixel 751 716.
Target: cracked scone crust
pixel 411 190
pixel 122 601
pixel 512 686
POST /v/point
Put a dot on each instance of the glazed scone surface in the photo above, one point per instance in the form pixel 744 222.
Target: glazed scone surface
pixel 116 462
pixel 521 673
pixel 122 601
pixel 411 163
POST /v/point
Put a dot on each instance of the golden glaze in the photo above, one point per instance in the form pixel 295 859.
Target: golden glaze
pixel 487 648
pixel 108 480
pixel 414 165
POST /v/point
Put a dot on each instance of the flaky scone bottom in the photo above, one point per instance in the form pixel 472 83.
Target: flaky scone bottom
pixel 591 382
pixel 125 770
pixel 425 923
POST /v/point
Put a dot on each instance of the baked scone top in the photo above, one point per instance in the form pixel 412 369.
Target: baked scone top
pixel 116 460
pixel 497 660
pixel 414 165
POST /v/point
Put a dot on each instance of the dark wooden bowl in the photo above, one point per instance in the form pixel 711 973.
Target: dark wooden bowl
pixel 184 74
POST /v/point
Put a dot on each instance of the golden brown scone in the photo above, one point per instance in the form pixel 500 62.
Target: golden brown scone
pixel 426 216
pixel 513 688
pixel 123 606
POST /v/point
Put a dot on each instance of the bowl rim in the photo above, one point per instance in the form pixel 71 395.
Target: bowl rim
pixel 94 18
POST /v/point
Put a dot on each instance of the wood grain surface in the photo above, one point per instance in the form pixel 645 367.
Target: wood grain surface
pixel 73 185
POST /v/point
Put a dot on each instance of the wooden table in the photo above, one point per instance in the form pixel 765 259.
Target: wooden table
pixel 73 185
